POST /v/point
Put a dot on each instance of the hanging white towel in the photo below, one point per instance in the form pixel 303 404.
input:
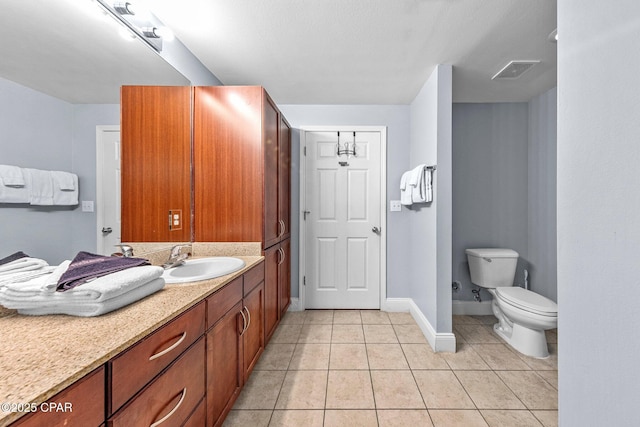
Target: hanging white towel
pixel 420 182
pixel 41 186
pixel 405 189
pixel 14 194
pixel 64 180
pixel 11 176
pixel 65 191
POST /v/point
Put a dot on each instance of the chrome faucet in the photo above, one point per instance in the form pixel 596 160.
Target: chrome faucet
pixel 176 257
pixel 126 250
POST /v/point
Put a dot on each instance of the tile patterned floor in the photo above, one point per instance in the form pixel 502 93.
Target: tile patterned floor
pixel 371 368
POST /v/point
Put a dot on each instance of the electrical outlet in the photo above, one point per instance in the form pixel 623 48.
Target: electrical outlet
pixel 87 206
pixel 395 206
pixel 175 219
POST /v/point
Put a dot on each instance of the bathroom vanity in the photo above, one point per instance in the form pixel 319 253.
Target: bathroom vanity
pixel 182 355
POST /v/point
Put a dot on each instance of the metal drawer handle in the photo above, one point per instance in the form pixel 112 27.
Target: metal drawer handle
pixel 175 408
pixel 284 256
pixel 244 323
pixel 282 227
pixel 169 349
pixel 249 316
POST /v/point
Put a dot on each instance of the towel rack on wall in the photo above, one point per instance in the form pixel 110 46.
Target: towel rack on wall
pixel 346 150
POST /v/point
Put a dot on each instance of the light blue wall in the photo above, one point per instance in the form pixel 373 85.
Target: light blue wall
pixel 430 224
pixel 489 185
pixel 598 212
pixel 542 182
pixel 35 132
pixel 396 118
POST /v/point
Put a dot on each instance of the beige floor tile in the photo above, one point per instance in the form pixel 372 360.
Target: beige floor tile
pixel 243 418
pixel 457 418
pixel 487 320
pixel 303 390
pixel 349 390
pixel 548 364
pixel 465 320
pixel 547 418
pixel 476 334
pixel 295 418
pixel 348 356
pixel 504 418
pixel 404 418
pixel 552 336
pixel 310 356
pixel 422 356
pixel 532 389
pixel 386 356
pixel 441 389
pixel 286 334
pixel 465 357
pixel 350 418
pixel 550 376
pixel 347 317
pixel 293 318
pixel 379 334
pixel 261 391
pixel 500 357
pixel 374 317
pixel 276 357
pixel 396 390
pixel 399 318
pixel 488 391
pixel 315 333
pixel 323 317
pixel 347 334
pixel 409 334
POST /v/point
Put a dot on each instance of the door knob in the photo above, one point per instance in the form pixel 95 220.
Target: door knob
pixel 107 230
pixel 376 230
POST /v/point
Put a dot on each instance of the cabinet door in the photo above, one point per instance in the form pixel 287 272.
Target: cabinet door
pixel 284 277
pixel 284 177
pixel 270 125
pixel 224 365
pixel 155 163
pixel 253 337
pixel 272 258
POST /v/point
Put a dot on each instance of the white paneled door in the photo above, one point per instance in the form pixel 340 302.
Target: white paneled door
pixel 342 220
pixel 108 189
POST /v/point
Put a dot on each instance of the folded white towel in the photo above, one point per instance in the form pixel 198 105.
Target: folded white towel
pixel 21 265
pixel 420 182
pixel 67 196
pixel 51 282
pixel 25 276
pixel 90 309
pixel 11 176
pixel 41 186
pixel 11 194
pixel 405 189
pixel 98 290
pixel 416 175
pixel 64 180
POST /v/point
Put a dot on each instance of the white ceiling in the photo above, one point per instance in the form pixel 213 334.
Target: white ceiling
pixel 302 51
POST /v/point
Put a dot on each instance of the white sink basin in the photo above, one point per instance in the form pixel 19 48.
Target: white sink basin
pixel 197 269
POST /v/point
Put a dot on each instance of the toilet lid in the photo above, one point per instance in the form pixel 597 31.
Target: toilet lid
pixel 527 300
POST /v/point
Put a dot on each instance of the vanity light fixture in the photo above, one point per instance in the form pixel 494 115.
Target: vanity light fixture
pixel 145 26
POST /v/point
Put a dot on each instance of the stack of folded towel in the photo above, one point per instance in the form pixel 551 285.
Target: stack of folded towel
pixel 90 285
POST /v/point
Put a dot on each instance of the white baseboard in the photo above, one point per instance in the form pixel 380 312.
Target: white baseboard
pixel 471 308
pixel 439 342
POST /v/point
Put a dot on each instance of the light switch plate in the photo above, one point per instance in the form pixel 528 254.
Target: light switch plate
pixel 395 206
pixel 87 206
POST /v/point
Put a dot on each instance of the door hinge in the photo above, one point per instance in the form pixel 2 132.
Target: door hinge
pixel 305 150
pixel 304 280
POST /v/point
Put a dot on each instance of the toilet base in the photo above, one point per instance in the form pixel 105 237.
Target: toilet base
pixel 529 342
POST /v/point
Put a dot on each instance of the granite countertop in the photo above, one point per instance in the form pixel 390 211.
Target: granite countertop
pixel 42 355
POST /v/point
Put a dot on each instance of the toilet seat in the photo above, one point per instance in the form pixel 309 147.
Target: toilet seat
pixel 527 300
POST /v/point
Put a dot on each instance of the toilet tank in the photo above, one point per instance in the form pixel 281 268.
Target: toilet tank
pixel 492 267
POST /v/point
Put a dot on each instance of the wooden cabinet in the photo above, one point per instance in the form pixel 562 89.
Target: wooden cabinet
pixel 81 404
pixel 156 163
pixel 277 284
pixel 235 340
pixel 284 177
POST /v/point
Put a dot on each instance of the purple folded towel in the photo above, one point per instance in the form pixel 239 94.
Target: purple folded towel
pixel 87 266
pixel 13 257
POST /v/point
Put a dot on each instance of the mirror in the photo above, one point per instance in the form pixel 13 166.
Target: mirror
pixel 71 51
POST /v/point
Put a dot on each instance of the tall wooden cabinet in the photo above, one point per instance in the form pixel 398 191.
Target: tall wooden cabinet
pixel 242 152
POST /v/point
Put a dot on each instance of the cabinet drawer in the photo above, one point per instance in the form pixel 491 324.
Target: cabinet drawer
pixel 197 419
pixel 253 278
pixel 134 368
pixel 172 396
pixel 81 404
pixel 221 301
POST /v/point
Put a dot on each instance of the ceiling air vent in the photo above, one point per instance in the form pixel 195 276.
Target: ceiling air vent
pixel 514 69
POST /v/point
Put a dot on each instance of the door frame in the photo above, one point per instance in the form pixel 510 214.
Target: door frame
pixel 302 264
pixel 101 130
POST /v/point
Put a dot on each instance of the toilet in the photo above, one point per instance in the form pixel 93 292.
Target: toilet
pixel 523 315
